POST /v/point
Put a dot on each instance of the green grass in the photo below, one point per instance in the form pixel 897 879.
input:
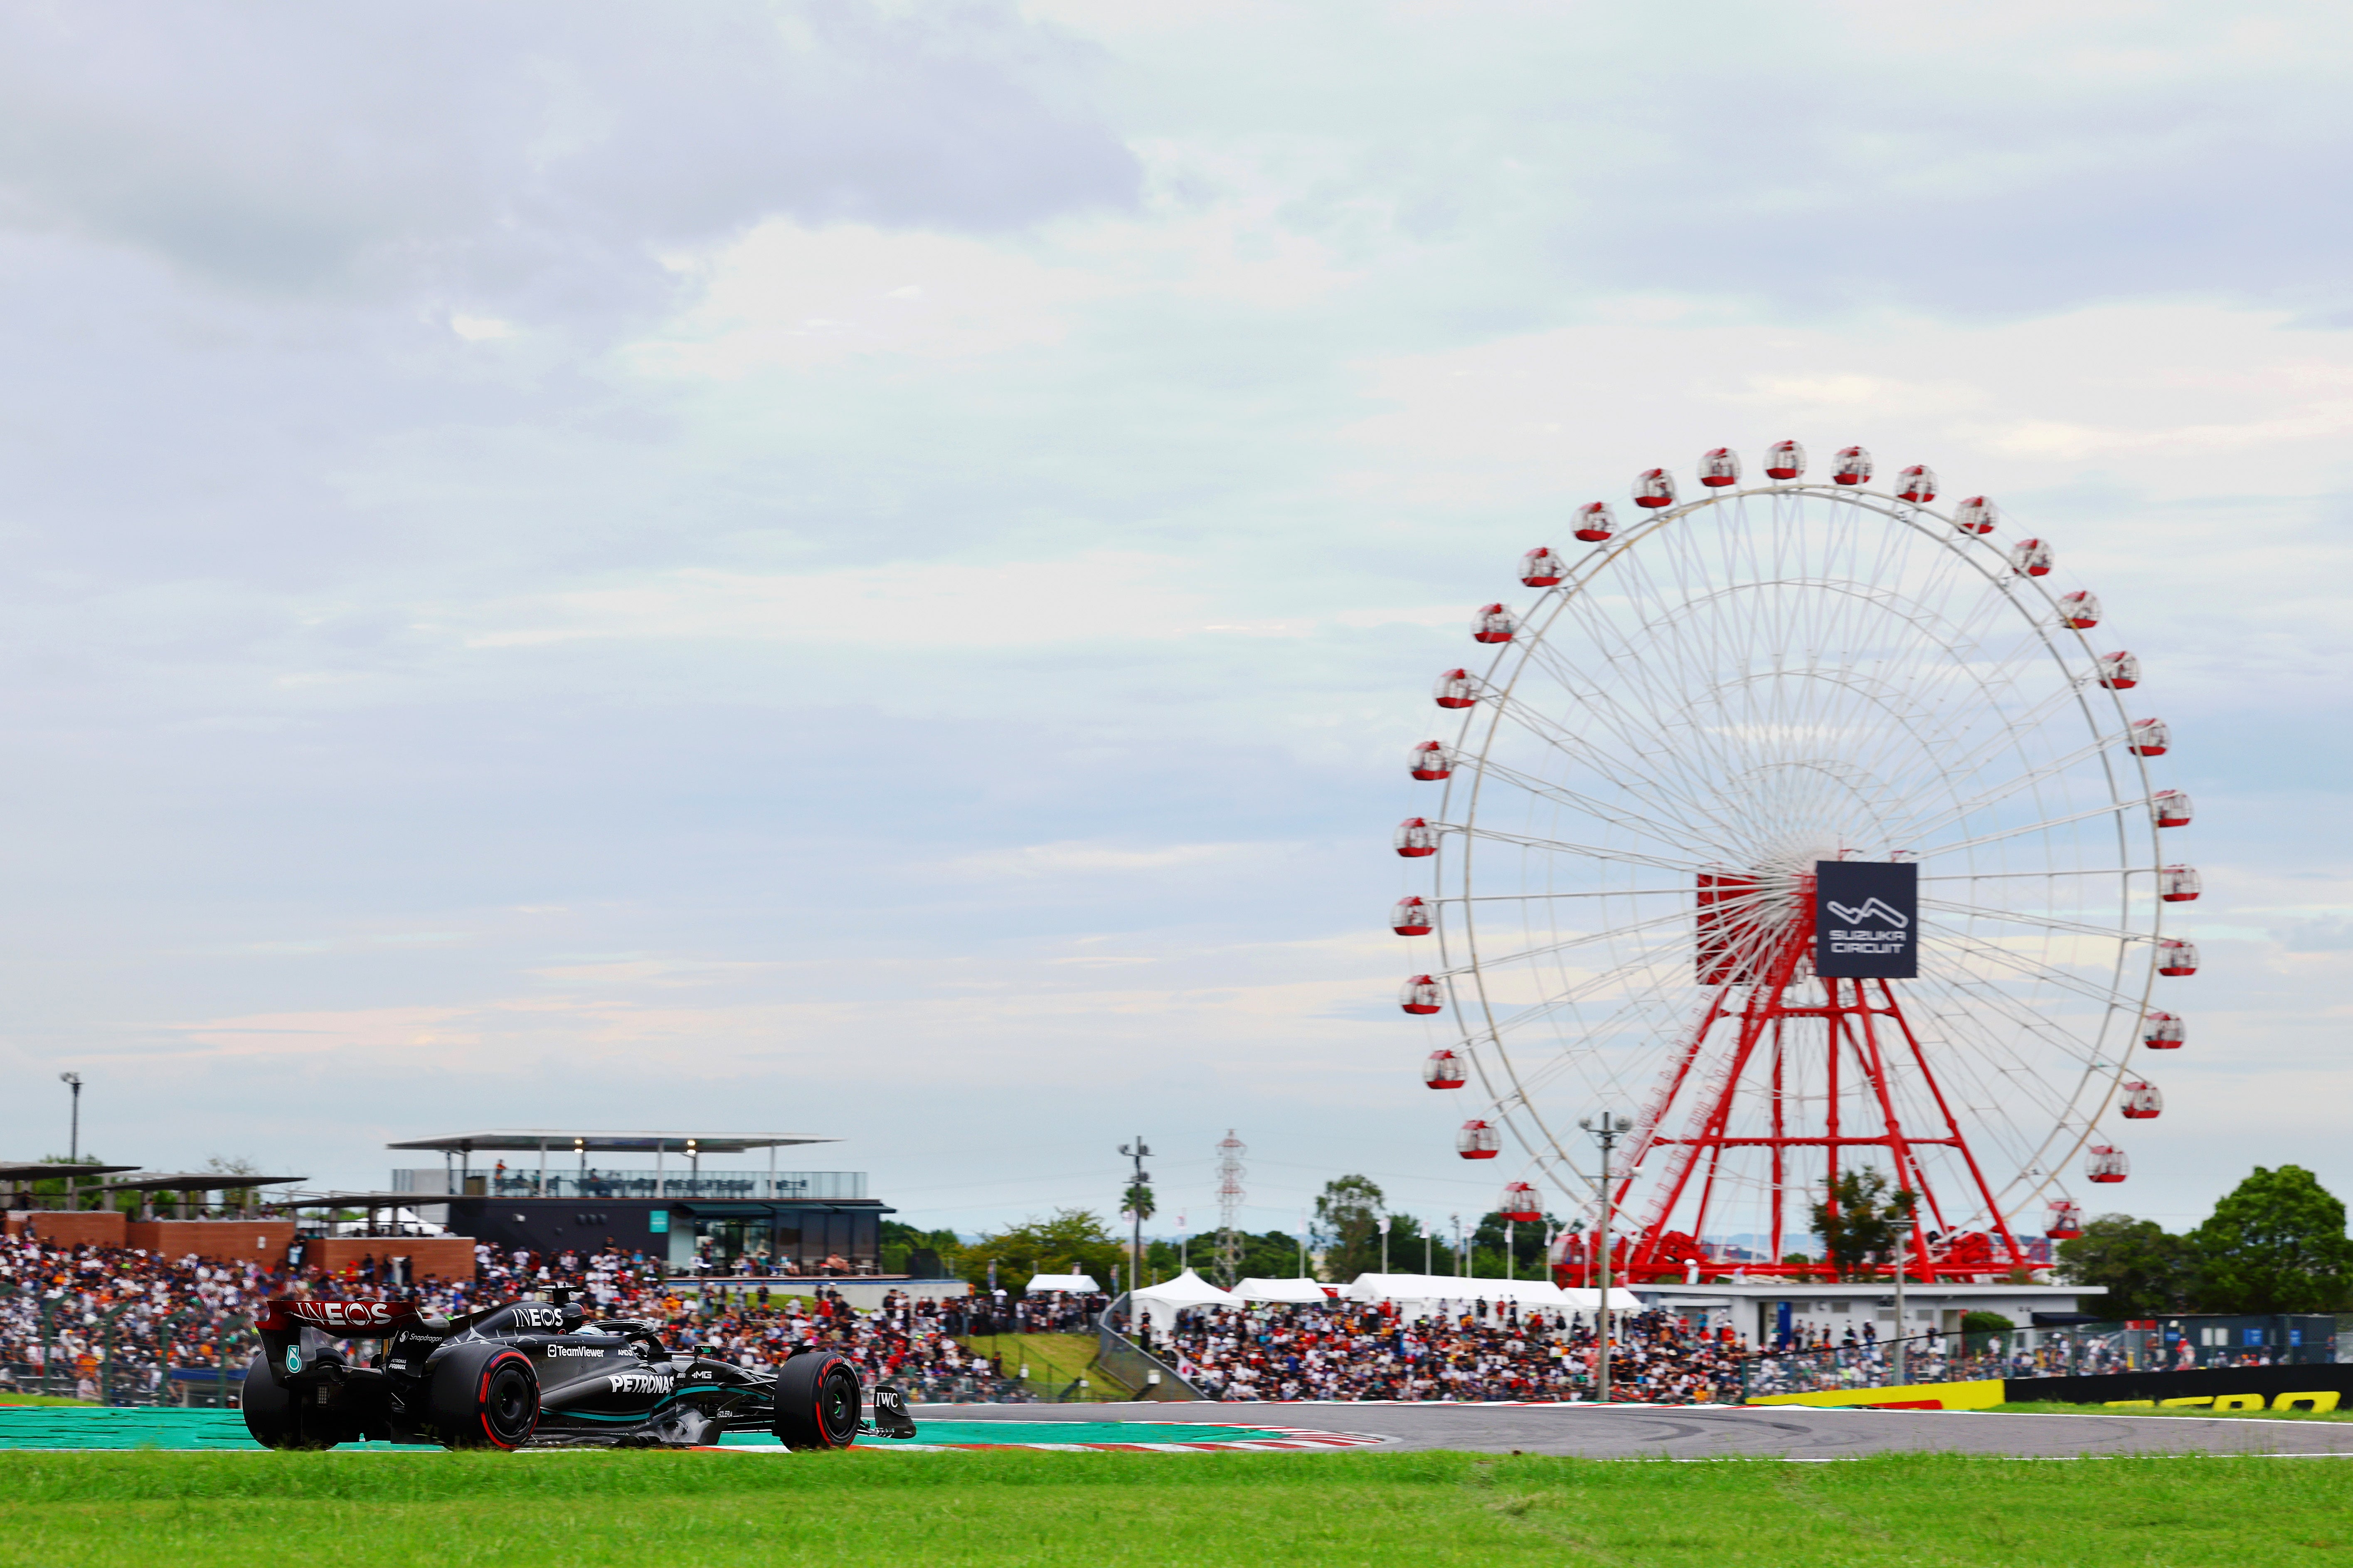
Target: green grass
pixel 2053 1407
pixel 1053 1360
pixel 1429 1510
pixel 41 1399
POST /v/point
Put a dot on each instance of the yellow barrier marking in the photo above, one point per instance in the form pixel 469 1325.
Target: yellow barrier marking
pixel 2200 1399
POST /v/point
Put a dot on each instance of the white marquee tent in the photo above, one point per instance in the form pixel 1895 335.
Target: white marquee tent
pixel 1161 1304
pixel 1306 1291
pixel 1064 1282
pixel 1412 1293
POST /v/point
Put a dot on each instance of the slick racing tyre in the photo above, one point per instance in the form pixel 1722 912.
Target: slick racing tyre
pixel 816 1400
pixel 484 1397
pixel 274 1416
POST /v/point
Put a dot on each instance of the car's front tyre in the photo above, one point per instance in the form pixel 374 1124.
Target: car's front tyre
pixel 818 1396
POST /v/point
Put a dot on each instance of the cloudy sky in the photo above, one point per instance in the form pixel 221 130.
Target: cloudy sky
pixel 866 569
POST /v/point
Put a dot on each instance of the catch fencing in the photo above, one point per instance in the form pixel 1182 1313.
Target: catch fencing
pixel 2081 1349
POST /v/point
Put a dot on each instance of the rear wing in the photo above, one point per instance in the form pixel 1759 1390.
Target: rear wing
pixel 345 1320
pixel 283 1320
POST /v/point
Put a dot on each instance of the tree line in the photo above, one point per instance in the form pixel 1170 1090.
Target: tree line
pixel 2276 1243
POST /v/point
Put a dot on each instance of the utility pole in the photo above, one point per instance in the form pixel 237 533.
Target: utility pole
pixel 1385 1244
pixel 1902 1265
pixel 1459 1267
pixel 1303 1247
pixel 1605 1128
pixel 73 1139
pixel 1139 1199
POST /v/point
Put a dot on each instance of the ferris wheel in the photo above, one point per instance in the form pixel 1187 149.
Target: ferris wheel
pixel 1682 734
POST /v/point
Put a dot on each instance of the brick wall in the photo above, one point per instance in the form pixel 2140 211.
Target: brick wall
pixel 261 1241
pixel 429 1256
pixel 94 1228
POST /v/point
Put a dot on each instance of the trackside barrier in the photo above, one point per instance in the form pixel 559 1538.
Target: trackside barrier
pixel 2315 1387
pixel 2179 1343
pixel 1124 1359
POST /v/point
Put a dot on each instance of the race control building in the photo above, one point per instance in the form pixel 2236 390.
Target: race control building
pixel 552 1191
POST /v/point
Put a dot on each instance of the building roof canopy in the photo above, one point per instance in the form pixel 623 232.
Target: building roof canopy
pixel 198 1182
pixel 566 1142
pixel 41 1171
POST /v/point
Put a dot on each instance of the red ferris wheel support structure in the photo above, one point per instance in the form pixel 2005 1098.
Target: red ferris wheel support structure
pixel 1756 949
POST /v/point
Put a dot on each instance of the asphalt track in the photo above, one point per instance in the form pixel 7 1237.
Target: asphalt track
pixel 1718 1431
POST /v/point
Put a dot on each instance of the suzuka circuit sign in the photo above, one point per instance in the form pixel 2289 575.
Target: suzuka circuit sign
pixel 1866 921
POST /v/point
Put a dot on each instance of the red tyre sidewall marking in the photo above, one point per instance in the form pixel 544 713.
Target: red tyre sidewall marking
pixel 483 1400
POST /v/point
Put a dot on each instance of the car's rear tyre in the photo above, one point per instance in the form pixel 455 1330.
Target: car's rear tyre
pixel 274 1414
pixel 818 1396
pixel 484 1397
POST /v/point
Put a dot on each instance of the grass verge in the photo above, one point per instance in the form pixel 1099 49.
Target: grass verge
pixel 1430 1511
pixel 1055 1360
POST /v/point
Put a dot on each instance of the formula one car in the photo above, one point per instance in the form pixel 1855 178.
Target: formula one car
pixel 537 1373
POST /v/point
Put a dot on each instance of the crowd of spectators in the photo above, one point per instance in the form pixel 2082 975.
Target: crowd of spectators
pixel 1349 1351
pixel 130 1326
pixel 125 1326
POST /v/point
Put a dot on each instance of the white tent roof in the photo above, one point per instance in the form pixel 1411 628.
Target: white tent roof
pixel 1582 1300
pixel 1160 1303
pixel 1281 1290
pixel 1064 1282
pixel 1427 1288
pixel 1187 1290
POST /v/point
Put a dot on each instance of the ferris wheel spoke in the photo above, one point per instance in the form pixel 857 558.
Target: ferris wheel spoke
pixel 2116 871
pixel 2013 963
pixel 2043 772
pixel 1586 939
pixel 2043 921
pixel 1970 999
pixel 1633 655
pixel 1497 1029
pixel 1616 816
pixel 1615 764
pixel 1544 898
pixel 1585 851
pixel 2090 813
pixel 1630 757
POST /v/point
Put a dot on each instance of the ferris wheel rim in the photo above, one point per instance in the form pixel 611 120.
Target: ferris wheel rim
pixel 2041 620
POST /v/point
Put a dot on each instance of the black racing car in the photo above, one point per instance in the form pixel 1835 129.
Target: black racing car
pixel 534 1373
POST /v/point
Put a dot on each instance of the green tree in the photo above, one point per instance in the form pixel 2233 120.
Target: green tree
pixel 938 1252
pixel 1069 1241
pixel 1528 1239
pixel 1271 1255
pixel 1349 1226
pixel 1137 1200
pixel 1863 1223
pixel 2148 1271
pixel 2275 1244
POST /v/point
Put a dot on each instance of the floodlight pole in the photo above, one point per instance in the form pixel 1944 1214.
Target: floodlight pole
pixel 1385 1246
pixel 73 1139
pixel 1136 1153
pixel 1605 1129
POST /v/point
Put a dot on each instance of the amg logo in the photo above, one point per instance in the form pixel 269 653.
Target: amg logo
pixel 639 1383
pixel 573 1351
